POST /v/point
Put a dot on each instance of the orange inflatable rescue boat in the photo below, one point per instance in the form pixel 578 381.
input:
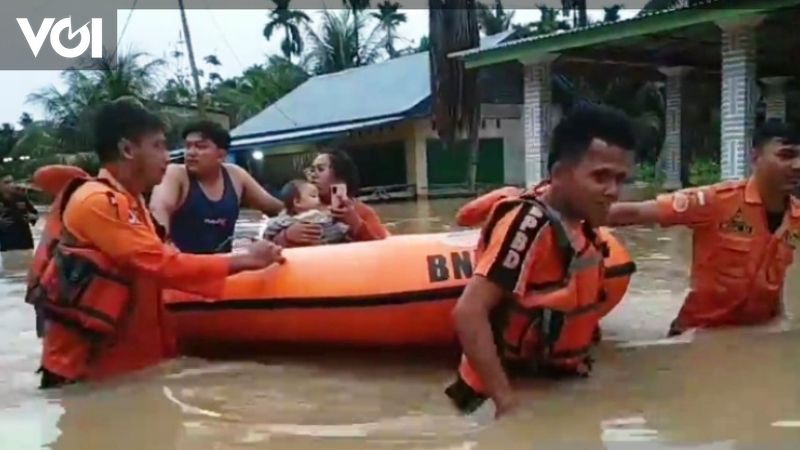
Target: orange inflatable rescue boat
pixel 396 292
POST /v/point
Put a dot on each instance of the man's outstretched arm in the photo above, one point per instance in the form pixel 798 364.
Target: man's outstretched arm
pixel 253 194
pixel 166 196
pixel 689 207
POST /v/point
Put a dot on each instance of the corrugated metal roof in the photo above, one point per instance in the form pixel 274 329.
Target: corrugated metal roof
pixel 377 90
pixel 299 135
pixel 517 42
pixel 397 87
pixel 493 40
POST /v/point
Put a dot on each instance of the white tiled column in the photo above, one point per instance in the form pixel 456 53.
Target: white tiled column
pixel 417 159
pixel 738 97
pixel 675 83
pixel 775 97
pixel 536 118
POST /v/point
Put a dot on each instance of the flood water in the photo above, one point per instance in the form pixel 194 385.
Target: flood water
pixel 734 389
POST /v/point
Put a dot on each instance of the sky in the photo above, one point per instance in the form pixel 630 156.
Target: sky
pixel 234 36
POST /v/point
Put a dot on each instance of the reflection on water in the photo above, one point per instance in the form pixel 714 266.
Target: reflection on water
pixel 731 389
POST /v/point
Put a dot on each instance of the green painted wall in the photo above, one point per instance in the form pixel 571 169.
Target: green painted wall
pixel 450 166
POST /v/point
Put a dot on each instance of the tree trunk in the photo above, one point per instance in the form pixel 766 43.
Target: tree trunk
pixel 358 38
pixel 456 107
pixel 290 47
pixel 583 18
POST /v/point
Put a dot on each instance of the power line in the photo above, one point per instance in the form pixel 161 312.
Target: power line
pixel 222 35
pixel 127 21
pixel 241 66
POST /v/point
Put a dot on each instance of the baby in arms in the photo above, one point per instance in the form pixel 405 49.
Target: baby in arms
pixel 301 200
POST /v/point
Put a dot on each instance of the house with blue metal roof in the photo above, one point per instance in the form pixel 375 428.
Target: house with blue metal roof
pixel 381 114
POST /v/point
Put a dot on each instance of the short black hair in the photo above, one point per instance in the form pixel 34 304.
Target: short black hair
pixel 775 128
pixel 291 192
pixel 344 169
pixel 122 119
pixel 210 130
pixel 575 132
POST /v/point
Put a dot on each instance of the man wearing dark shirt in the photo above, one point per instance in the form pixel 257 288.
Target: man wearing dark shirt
pixel 17 215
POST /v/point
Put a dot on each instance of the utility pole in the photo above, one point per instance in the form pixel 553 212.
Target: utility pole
pixel 195 76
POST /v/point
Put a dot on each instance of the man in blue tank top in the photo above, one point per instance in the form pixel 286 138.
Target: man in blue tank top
pixel 198 201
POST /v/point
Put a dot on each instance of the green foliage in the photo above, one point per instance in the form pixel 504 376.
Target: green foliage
pixel 704 172
pixel 389 18
pixel 290 20
pixel 647 172
pixel 65 136
pixel 493 20
pixel 341 43
pixel 243 96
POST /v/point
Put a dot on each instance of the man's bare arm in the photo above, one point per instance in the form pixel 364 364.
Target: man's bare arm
pixel 471 315
pixel 253 195
pixel 634 213
pixel 165 199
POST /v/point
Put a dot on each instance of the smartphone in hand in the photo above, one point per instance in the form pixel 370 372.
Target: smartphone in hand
pixel 338 193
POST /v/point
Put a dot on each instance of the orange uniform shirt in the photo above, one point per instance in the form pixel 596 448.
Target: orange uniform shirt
pixel 131 241
pixel 738 266
pixel 372 229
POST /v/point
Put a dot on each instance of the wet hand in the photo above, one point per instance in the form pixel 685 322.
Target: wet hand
pixel 346 212
pixel 504 405
pixel 302 233
pixel 265 253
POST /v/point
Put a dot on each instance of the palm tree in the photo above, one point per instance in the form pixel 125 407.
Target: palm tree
pixel 71 111
pixel 493 21
pixel 8 137
pixel 389 19
pixel 356 7
pixel 453 27
pixel 127 76
pixel 336 45
pixel 25 120
pixel 424 45
pixel 611 13
pixel 578 8
pixel 290 20
pixel 549 22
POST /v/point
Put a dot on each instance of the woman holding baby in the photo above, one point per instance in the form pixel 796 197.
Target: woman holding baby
pixel 324 204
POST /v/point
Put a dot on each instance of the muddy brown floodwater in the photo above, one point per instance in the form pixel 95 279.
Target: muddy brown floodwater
pixel 733 389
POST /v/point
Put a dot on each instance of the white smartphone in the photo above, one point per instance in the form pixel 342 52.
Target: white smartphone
pixel 338 192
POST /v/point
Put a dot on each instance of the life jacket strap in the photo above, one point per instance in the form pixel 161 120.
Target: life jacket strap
pixel 464 397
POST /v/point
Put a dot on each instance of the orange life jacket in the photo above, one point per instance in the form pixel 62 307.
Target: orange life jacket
pixel 54 177
pixel 476 211
pixel 618 263
pixel 74 285
pixel 551 328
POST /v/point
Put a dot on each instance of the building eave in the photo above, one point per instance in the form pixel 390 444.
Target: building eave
pixel 662 21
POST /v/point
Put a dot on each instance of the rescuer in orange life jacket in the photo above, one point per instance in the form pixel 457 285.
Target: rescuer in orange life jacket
pixel 537 295
pixel 98 282
pixel 744 234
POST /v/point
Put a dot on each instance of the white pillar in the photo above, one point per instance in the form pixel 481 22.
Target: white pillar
pixel 417 159
pixel 775 97
pixel 536 117
pixel 738 97
pixel 673 145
